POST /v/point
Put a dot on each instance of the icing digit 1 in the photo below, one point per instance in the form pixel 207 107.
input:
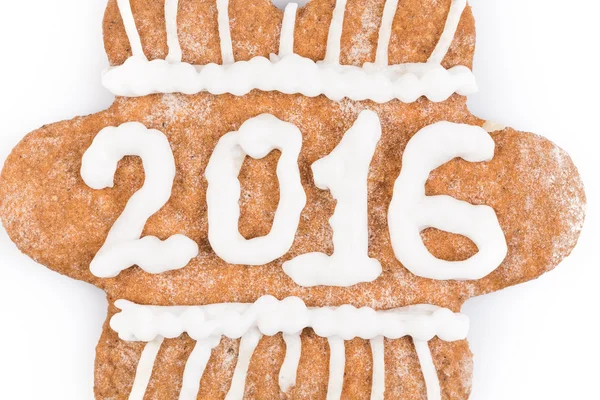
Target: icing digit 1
pixel 337 364
pixel 334 38
pixel 378 387
pixel 171 8
pixel 144 369
pixel 385 32
pixel 225 32
pixel 247 346
pixel 411 211
pixel 456 10
pixel 123 247
pixel 286 39
pixel 257 137
pixel 290 316
pixel 289 368
pixel 132 33
pixel 432 382
pixel 345 172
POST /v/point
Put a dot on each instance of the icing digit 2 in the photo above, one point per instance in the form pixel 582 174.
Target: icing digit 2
pixel 256 137
pixel 411 211
pixel 345 172
pixel 123 247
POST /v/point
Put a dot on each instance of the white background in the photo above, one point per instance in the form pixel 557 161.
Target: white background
pixel 537 65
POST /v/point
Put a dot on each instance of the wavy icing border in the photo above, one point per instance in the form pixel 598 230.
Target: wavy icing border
pixel 289 316
pixel 291 74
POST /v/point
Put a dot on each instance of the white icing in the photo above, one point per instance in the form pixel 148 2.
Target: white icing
pixel 195 366
pixel 337 364
pixel 291 74
pixel 256 137
pixel 411 211
pixel 247 346
pixel 345 173
pixel 378 386
pixel 290 316
pixel 334 38
pixel 289 368
pixel 432 382
pixel 385 32
pixel 286 39
pixel 171 8
pixel 144 369
pixel 225 32
pixel 123 247
pixel 130 28
pixel 271 316
pixel 456 10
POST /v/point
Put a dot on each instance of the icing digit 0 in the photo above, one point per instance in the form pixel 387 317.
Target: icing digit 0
pixel 130 28
pixel 345 172
pixel 457 8
pixel 256 137
pixel 171 9
pixel 123 247
pixel 411 211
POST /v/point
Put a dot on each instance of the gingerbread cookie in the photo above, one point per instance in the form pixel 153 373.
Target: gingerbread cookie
pixel 289 203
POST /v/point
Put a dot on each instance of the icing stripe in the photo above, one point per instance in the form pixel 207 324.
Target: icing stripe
pixel 456 10
pixel 225 32
pixel 385 32
pixel 337 364
pixel 332 55
pixel 292 74
pixel 432 382
pixel 247 345
pixel 171 9
pixel 289 368
pixel 378 387
pixel 132 33
pixel 286 38
pixel 144 369
pixel 194 368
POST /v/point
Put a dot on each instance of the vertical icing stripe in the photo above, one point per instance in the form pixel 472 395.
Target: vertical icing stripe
pixel 378 387
pixel 132 33
pixel 432 382
pixel 195 366
pixel 144 369
pixel 289 368
pixel 247 346
pixel 286 38
pixel 225 32
pixel 385 32
pixel 337 364
pixel 332 55
pixel 454 15
pixel 171 8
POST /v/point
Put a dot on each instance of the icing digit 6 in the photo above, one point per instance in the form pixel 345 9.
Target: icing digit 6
pixel 411 211
pixel 123 247
pixel 257 137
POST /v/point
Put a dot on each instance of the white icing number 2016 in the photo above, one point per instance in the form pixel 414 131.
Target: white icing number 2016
pixel 344 172
pixel 123 247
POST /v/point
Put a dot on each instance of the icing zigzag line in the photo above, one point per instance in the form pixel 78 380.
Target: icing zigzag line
pixel 269 316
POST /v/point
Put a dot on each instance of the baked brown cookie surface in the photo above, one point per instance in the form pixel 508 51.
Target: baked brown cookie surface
pixel 57 219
